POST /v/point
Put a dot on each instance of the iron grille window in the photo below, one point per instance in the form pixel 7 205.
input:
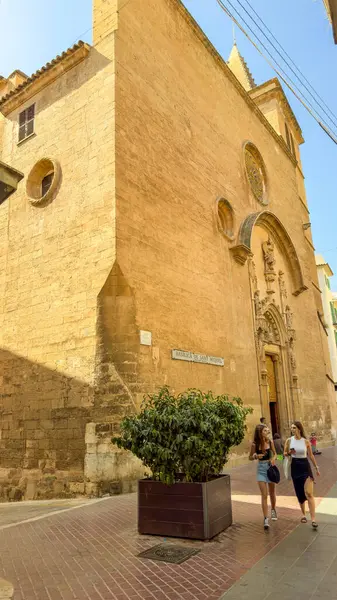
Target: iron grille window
pixel 46 183
pixel 26 122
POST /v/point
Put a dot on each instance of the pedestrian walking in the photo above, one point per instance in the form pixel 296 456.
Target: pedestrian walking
pixel 279 446
pixel 263 450
pixel 313 442
pixel 298 448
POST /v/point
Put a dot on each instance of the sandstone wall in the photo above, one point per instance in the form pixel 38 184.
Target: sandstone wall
pixel 132 242
pixel 54 261
pixel 181 124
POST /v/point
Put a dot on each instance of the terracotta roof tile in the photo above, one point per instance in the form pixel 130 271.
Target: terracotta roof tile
pixel 39 72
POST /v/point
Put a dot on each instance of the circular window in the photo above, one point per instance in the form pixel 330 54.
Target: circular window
pixel 43 180
pixel 225 218
pixel 256 173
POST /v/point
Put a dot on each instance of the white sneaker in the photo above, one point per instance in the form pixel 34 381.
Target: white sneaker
pixel 273 515
pixel 266 523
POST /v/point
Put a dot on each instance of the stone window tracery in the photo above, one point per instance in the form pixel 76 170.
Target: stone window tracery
pixel 255 171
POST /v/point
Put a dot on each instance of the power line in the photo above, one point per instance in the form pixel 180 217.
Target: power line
pixel 299 95
pixel 284 77
pixel 291 61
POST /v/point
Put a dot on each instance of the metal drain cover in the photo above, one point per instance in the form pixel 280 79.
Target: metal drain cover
pixel 170 553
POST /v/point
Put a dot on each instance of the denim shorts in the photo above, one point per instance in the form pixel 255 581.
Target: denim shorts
pixel 262 469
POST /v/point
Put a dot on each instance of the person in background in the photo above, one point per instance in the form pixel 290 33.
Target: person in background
pixel 313 442
pixel 279 446
pixel 263 451
pixel 263 420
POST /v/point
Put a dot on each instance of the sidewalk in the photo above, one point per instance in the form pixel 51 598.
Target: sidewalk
pixel 90 552
pixel 303 566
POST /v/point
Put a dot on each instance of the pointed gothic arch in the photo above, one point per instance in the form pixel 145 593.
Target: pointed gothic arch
pixel 243 248
pixel 274 318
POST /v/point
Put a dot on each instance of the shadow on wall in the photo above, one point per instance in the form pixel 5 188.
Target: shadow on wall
pixel 55 430
pixel 43 415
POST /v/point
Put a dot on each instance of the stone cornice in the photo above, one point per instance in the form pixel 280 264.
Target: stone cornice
pixel 304 205
pixel 43 77
pixel 222 64
pixel 316 287
pixel 310 243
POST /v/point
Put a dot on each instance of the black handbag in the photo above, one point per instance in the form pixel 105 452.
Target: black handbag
pixel 273 474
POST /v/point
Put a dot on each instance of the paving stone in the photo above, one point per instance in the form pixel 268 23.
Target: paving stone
pixel 90 551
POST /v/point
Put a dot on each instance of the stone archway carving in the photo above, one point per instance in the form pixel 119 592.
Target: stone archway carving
pixel 276 230
pixel 275 334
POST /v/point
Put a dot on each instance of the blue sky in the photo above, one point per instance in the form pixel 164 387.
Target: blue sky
pixel 28 41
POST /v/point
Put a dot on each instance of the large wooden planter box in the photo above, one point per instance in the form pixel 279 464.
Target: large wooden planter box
pixel 188 510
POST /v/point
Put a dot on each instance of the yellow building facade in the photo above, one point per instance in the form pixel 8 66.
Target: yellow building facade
pixel 159 235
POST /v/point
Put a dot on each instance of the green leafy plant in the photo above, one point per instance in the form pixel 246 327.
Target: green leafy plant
pixel 188 435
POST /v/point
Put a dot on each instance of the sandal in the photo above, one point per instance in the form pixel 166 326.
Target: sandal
pixel 314 525
pixel 304 520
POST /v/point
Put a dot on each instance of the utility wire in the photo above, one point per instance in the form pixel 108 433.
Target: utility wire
pixel 305 102
pixel 291 61
pixel 285 75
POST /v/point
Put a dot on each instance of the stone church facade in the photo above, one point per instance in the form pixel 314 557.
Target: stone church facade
pixel 154 230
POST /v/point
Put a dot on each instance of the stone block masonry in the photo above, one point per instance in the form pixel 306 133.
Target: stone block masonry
pixel 149 128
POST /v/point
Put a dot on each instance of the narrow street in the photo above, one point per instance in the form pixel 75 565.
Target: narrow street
pixel 66 550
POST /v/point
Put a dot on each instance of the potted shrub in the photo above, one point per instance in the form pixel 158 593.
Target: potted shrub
pixel 185 441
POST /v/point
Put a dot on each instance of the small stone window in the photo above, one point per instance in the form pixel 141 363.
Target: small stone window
pixel 292 145
pixel 287 136
pixel 43 180
pixel 26 122
pixel 225 215
pixel 46 183
pixel 290 141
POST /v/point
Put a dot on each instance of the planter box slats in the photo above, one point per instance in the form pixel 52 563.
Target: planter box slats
pixel 173 515
pixel 191 510
pixel 160 501
pixel 177 489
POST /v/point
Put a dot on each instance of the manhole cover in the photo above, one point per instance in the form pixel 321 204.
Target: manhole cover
pixel 169 553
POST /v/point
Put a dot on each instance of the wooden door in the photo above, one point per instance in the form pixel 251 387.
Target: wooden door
pixel 272 392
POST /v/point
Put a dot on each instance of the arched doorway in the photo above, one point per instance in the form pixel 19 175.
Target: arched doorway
pixel 278 381
pixel 276 280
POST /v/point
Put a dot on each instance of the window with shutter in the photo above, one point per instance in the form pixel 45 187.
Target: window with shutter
pixel 26 122
pixel 333 314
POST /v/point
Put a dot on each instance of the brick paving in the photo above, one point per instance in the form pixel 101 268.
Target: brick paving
pixel 14 512
pixel 91 552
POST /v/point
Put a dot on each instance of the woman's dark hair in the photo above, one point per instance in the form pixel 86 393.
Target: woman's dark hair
pixel 276 436
pixel 258 439
pixel 300 427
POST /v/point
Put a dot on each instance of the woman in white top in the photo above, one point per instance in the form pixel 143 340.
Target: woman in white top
pixel 298 447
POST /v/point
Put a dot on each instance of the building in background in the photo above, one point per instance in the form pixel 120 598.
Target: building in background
pixel 159 236
pixel 331 9
pixel 329 301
